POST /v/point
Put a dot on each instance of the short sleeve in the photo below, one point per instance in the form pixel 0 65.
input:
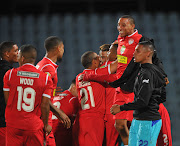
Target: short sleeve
pixel 50 70
pixel 6 80
pixel 48 87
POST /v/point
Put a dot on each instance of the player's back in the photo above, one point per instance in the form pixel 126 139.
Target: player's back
pixel 49 67
pixel 26 88
pixel 69 104
pixel 91 97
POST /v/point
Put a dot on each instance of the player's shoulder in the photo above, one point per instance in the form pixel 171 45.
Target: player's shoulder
pixel 62 96
pixel 137 37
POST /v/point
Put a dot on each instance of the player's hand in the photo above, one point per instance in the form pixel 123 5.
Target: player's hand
pixel 115 42
pixel 65 120
pixel 48 129
pixel 166 80
pixel 115 109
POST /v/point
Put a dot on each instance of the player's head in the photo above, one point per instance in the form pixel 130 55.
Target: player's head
pixel 9 51
pixel 27 54
pixel 144 51
pixel 73 88
pixel 54 45
pixel 126 25
pixel 90 60
pixel 103 52
pixel 112 53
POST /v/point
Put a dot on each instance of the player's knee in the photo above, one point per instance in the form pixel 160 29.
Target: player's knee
pixel 120 126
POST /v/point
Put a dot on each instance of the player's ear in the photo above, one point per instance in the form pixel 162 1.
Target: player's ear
pixel 6 54
pixel 22 59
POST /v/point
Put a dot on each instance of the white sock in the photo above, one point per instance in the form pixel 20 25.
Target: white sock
pixel 125 145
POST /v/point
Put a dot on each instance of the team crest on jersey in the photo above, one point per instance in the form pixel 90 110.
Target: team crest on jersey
pixel 123 48
pixel 130 41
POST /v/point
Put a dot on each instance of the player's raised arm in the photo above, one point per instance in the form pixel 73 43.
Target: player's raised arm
pixel 113 66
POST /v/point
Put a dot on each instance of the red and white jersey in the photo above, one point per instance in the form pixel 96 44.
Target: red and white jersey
pixel 49 67
pixel 126 48
pixel 69 104
pixel 26 86
pixel 66 102
pixel 91 96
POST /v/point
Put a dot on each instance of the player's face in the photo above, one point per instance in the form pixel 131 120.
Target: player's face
pixel 13 54
pixel 96 60
pixel 20 59
pixel 112 54
pixel 124 27
pixel 140 55
pixel 61 52
pixel 103 56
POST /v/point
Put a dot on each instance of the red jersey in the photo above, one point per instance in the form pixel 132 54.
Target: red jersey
pixel 164 138
pixel 26 86
pixel 48 66
pixel 67 103
pixel 91 96
pixel 126 48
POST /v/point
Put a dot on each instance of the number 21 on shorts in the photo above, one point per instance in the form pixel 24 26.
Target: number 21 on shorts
pixel 86 97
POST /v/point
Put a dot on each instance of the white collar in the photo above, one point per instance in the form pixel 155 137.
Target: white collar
pixel 133 33
pixel 28 64
pixel 87 69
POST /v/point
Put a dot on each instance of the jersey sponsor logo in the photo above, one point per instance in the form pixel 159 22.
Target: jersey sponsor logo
pixel 145 81
pixel 130 41
pixel 59 97
pixel 123 48
pixel 122 59
pixel 28 74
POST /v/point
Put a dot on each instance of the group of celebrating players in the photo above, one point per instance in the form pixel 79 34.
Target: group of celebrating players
pixel 116 100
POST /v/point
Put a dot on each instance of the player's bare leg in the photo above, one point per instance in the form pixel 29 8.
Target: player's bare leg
pixel 121 127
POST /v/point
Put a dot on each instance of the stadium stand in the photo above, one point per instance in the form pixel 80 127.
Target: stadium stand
pixel 83 32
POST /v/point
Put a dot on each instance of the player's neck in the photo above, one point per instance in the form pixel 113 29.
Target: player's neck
pixel 52 57
pixel 147 61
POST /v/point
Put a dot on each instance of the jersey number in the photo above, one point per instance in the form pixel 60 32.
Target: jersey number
pixel 28 104
pixel 85 105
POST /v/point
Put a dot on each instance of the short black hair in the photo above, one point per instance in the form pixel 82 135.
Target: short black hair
pixel 115 46
pixel 147 43
pixel 29 52
pixel 6 46
pixel 52 42
pixel 87 58
pixel 104 47
pixel 131 19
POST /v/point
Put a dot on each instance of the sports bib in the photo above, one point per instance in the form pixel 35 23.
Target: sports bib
pixel 122 59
